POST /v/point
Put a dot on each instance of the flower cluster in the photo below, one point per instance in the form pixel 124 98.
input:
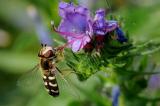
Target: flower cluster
pixel 82 31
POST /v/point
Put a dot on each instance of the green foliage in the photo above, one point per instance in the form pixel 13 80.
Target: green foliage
pixel 86 64
pixel 128 64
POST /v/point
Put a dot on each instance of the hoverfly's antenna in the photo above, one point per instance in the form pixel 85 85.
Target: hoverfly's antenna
pixel 43 45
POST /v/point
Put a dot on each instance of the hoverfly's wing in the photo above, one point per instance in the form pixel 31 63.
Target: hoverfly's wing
pixel 66 86
pixel 31 80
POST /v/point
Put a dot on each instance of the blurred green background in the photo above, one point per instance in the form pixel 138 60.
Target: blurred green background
pixel 19 45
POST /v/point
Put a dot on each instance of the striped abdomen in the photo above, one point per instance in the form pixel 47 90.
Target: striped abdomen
pixel 51 84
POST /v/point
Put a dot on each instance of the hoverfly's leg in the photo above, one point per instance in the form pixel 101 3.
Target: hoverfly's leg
pixel 59 53
pixel 58 70
pixel 61 48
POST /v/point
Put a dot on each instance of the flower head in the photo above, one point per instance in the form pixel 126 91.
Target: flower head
pixel 78 27
pixel 75 25
pixel 102 26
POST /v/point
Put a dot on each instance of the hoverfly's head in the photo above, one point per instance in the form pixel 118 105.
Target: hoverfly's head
pixel 47 52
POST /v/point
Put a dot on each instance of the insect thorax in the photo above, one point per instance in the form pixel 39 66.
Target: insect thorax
pixel 46 64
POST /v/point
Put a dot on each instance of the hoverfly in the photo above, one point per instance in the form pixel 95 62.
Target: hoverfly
pixel 48 59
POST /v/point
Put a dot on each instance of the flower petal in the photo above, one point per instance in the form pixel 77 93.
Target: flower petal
pixel 120 34
pixel 102 26
pixel 111 25
pixel 74 18
pixel 75 26
pixel 99 24
pixel 78 43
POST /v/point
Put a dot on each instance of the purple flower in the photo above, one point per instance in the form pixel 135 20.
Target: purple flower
pixel 78 27
pixel 75 26
pixel 115 95
pixel 101 26
pixel 154 82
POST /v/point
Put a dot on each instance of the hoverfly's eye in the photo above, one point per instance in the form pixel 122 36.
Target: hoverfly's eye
pixel 49 54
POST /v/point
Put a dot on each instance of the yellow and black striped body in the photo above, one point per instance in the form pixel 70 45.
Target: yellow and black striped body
pixel 50 82
pixel 47 62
